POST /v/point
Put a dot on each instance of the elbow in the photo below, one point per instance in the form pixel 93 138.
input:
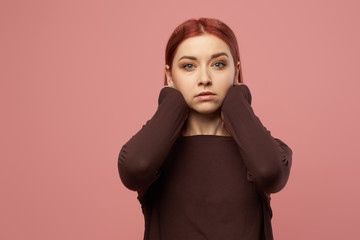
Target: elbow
pixel 275 178
pixel 133 173
pixel 132 178
pixel 275 182
pixel 272 179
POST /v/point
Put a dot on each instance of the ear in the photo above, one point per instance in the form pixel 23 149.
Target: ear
pixel 168 74
pixel 237 72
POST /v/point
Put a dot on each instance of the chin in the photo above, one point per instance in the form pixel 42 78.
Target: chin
pixel 206 109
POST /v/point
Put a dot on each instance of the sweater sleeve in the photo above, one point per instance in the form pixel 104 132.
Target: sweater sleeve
pixel 268 160
pixel 141 157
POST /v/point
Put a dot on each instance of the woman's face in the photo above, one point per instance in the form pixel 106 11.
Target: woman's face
pixel 203 63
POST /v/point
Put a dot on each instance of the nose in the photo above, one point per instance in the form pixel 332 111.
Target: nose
pixel 204 78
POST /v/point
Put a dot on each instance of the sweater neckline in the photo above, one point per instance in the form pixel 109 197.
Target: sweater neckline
pixel 205 136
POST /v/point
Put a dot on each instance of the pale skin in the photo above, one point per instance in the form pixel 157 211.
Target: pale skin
pixel 203 63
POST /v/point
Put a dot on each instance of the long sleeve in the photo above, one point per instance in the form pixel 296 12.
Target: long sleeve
pixel 268 160
pixel 141 157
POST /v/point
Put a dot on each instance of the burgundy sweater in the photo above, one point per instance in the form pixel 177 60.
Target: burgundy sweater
pixel 207 187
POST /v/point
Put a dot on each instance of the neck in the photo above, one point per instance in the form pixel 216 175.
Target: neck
pixel 204 124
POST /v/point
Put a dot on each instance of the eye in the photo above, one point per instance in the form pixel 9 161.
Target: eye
pixel 219 64
pixel 188 66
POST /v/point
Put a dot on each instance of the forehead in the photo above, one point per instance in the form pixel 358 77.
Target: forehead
pixel 202 46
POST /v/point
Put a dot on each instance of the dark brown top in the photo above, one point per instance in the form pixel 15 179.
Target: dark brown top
pixel 205 186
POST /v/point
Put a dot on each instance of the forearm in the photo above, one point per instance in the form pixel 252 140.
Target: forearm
pixel 267 159
pixel 142 156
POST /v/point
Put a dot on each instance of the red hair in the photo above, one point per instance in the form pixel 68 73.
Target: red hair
pixel 192 28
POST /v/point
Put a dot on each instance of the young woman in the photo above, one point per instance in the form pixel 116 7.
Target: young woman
pixel 204 166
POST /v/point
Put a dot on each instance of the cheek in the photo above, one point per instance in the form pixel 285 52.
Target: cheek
pixel 224 75
pixel 224 81
pixel 177 76
pixel 224 86
pixel 184 80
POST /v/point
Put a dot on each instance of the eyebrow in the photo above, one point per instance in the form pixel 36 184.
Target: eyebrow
pixel 212 56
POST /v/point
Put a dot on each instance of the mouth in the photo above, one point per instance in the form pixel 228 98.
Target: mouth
pixel 205 94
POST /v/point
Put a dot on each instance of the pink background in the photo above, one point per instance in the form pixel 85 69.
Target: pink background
pixel 79 78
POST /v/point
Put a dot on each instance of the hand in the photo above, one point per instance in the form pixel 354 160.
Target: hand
pixel 173 87
pixel 237 84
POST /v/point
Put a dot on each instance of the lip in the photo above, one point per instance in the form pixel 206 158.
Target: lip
pixel 205 93
pixel 205 97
